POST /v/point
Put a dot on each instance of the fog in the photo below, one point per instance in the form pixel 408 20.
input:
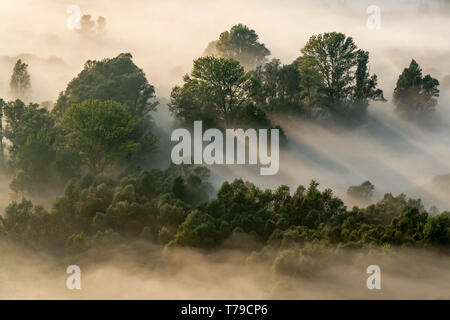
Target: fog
pixel 164 37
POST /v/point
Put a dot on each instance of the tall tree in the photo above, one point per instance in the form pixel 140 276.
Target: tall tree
pixel 365 88
pixel 20 84
pixel 277 86
pixel 100 133
pixel 2 146
pixel 118 79
pixel 216 89
pixel 415 95
pixel 242 44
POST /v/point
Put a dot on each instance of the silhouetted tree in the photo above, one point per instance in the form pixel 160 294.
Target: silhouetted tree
pixel 362 194
pixel 415 95
pixel 215 90
pixel 338 74
pixel 20 84
pixel 100 133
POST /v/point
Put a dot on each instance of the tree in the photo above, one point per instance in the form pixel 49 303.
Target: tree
pixel 90 28
pixel 365 88
pixel 100 133
pixel 437 229
pixel 362 194
pixel 34 153
pixel 198 230
pixel 117 79
pixel 20 81
pixel 215 90
pixel 242 44
pixel 2 134
pixel 278 86
pixel 339 74
pixel 415 96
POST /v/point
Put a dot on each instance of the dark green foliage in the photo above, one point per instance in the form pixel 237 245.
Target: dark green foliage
pixel 216 89
pixel 365 87
pixel 339 81
pixel 46 149
pixel 309 215
pixel 100 133
pixel 101 121
pixel 219 92
pixel 162 207
pixel 99 209
pixel 277 87
pixel 120 80
pixel 330 79
pixel 35 152
pixel 116 79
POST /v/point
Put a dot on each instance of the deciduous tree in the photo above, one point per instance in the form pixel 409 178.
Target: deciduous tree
pixel 242 44
pixel 415 95
pixel 100 133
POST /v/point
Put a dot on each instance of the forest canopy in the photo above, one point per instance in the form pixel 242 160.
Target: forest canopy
pixel 92 150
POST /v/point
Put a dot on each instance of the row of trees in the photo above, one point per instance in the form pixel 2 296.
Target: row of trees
pixel 136 204
pixel 232 86
pixel 171 207
pixel 329 79
pixel 235 84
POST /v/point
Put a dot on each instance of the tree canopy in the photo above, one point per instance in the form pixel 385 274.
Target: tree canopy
pixel 32 147
pixel 216 89
pixel 116 79
pixel 277 87
pixel 95 212
pixel 20 83
pixel 100 133
pixel 338 73
pixel 219 92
